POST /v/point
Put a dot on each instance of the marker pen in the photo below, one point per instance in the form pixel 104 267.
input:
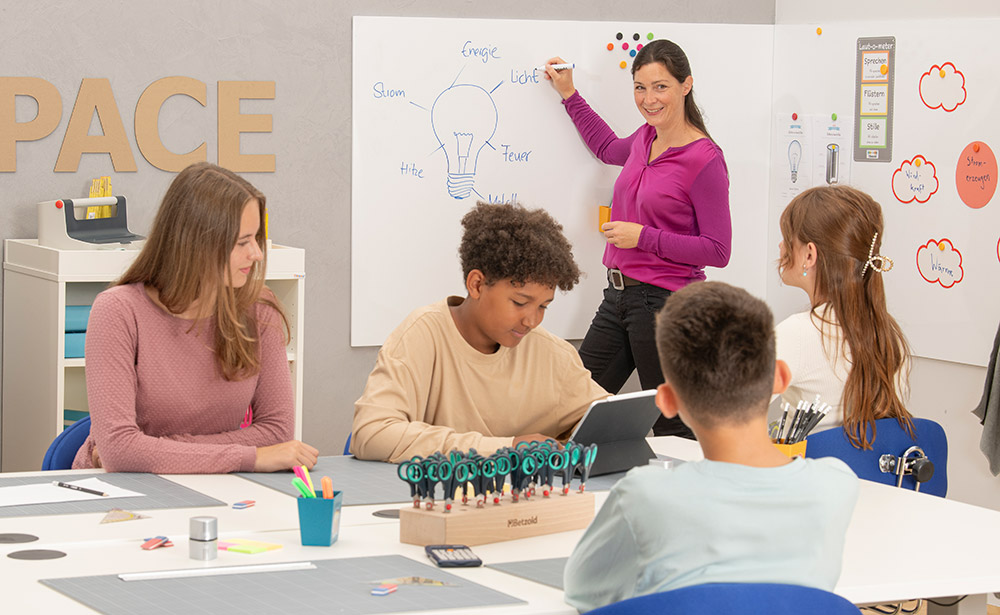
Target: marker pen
pixel 785 407
pixel 78 488
pixel 565 66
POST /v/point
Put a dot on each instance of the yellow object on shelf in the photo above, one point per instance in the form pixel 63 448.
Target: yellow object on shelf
pixel 100 187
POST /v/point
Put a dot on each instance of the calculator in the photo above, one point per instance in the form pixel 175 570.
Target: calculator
pixel 452 556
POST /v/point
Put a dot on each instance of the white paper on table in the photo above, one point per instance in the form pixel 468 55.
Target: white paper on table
pixel 47 493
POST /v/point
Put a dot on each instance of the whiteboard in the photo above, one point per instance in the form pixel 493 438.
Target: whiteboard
pixel 942 318
pixel 405 220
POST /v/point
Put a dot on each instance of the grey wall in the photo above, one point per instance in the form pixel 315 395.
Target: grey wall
pixel 305 47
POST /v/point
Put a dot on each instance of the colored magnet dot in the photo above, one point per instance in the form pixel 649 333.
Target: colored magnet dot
pixel 884 69
pixel 619 36
pixel 795 116
pixel 833 116
pixel 975 147
pixel 917 162
pixel 632 53
pixel 943 74
pixel 59 204
pixel 819 31
pixel 635 36
pixel 639 46
pixel 649 36
pixel 611 46
pixel 625 46
pixel 941 247
pixel 623 64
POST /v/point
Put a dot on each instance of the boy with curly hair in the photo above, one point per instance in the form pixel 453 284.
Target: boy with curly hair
pixel 479 372
pixel 744 514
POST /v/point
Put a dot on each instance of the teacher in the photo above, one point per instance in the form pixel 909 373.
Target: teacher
pixel 669 214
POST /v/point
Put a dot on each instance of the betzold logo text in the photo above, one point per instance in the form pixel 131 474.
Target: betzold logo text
pixel 522 522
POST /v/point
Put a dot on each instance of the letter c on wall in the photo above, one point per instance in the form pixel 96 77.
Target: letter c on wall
pixel 147 115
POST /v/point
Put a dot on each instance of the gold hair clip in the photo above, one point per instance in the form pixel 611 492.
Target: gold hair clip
pixel 876 261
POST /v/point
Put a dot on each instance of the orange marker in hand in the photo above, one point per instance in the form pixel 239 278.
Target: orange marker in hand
pixel 327 488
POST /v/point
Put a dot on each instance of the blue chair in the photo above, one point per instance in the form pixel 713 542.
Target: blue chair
pixel 63 449
pixel 893 441
pixel 734 599
pixel 347 445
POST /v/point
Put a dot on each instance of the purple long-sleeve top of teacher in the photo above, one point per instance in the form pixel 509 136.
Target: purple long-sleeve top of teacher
pixel 681 199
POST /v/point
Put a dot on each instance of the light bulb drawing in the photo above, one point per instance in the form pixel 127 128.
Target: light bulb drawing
pixel 794 156
pixel 464 119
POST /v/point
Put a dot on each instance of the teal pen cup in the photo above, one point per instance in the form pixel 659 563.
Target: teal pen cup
pixel 319 519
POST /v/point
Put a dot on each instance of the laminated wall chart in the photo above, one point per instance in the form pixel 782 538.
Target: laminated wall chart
pixel 447 112
pixel 937 183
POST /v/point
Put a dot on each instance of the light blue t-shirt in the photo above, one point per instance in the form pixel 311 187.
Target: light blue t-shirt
pixel 714 522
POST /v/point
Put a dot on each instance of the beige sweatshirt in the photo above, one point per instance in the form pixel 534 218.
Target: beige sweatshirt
pixel 431 391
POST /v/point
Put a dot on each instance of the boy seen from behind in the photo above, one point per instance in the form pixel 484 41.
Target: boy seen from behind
pixel 744 514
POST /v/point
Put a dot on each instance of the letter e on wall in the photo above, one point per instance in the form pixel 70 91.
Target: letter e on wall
pixel 232 124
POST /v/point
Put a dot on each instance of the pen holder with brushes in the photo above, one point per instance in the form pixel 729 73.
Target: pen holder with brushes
pixel 319 519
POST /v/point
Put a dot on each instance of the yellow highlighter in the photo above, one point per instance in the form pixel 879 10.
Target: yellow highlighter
pixel 309 480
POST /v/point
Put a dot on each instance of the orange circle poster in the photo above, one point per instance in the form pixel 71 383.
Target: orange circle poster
pixel 976 174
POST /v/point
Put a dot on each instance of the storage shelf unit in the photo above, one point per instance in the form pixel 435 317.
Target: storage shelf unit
pixel 39 383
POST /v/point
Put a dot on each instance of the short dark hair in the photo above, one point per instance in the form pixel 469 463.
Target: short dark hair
pixel 507 241
pixel 716 345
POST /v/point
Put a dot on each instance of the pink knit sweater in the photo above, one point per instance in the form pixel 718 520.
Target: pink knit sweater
pixel 158 402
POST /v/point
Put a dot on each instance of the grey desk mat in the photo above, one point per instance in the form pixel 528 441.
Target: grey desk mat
pixel 335 586
pixel 370 482
pixel 159 493
pixel 545 571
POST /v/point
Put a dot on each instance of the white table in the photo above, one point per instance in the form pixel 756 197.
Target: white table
pixel 900 545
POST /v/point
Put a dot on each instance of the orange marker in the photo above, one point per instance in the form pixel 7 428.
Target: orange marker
pixel 819 31
pixel 327 488
pixel 943 73
pixel 884 69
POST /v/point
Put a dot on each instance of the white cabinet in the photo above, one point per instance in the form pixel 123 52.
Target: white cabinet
pixel 39 383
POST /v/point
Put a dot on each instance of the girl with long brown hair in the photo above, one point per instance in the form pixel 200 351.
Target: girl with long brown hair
pixel 189 338
pixel 847 348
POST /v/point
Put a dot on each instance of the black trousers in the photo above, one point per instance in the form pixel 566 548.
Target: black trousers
pixel 622 338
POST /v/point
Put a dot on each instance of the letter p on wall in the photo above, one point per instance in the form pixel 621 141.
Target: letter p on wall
pixel 45 95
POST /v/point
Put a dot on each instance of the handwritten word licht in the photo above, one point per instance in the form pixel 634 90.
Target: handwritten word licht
pixel 523 77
